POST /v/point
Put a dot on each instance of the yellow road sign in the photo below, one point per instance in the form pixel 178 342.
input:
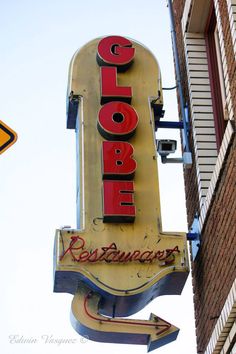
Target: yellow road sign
pixel 7 137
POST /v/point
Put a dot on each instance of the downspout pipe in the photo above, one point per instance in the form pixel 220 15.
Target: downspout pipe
pixel 178 74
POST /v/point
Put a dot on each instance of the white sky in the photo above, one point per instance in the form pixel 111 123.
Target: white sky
pixel 37 178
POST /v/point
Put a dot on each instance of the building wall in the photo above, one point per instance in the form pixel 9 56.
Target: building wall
pixel 214 267
pixel 190 180
pixel 213 194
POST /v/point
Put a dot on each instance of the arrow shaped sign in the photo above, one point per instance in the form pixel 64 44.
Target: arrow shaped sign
pixel 7 137
pixel 87 321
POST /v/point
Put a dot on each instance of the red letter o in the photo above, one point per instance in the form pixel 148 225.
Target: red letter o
pixel 117 121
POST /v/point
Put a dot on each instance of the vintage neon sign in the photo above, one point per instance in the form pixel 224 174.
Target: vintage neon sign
pixel 119 258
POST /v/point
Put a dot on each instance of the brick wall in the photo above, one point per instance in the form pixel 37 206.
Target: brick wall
pixel 214 269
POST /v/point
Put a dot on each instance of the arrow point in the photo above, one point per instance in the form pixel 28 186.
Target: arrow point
pixel 165 339
pixel 166 333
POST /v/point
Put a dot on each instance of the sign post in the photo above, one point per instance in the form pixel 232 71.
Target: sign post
pixel 118 259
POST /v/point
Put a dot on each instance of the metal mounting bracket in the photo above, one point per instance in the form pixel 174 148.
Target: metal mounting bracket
pixel 194 236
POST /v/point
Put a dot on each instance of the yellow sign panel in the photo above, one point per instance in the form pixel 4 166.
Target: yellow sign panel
pixel 7 137
pixel 127 261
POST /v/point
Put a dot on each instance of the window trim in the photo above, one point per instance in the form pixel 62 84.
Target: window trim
pixel 208 169
pixel 214 75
